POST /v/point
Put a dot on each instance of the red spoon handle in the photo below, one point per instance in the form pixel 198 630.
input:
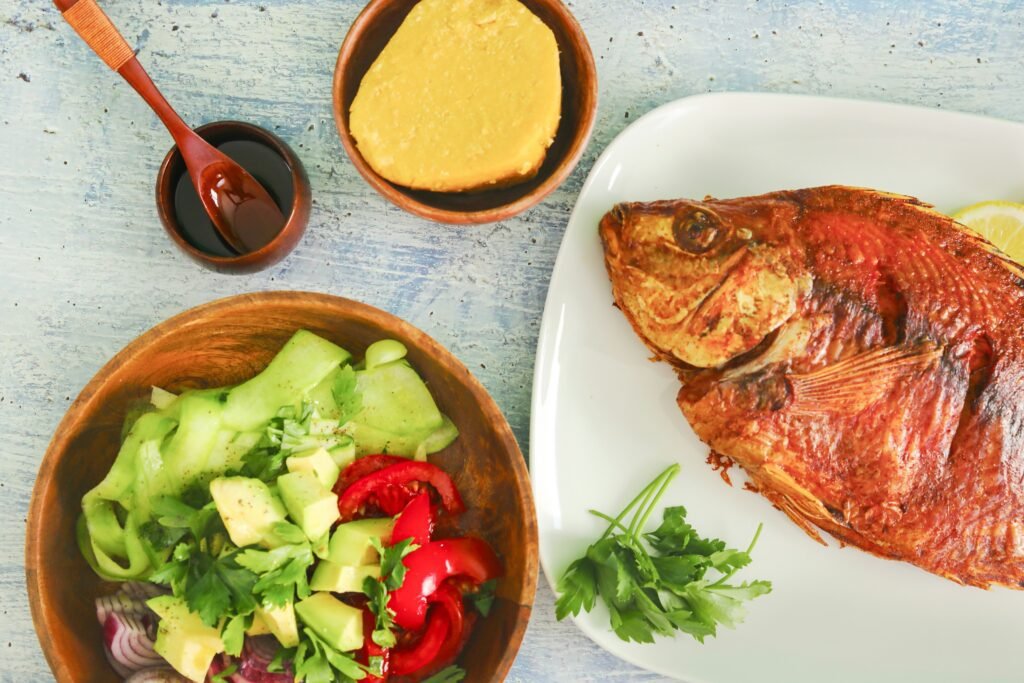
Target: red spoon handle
pixel 99 33
pixel 96 29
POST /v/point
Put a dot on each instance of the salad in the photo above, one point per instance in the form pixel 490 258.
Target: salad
pixel 285 529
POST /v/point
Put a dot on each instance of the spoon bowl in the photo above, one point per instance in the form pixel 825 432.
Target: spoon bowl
pixel 242 211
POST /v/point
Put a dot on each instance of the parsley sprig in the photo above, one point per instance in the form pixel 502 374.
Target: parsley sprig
pixel 392 572
pixel 282 572
pixel 203 567
pixel 658 593
pixel 282 437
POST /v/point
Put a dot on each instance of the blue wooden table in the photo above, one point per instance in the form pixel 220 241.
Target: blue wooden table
pixel 85 266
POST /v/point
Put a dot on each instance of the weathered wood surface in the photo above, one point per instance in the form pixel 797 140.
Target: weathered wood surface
pixel 85 267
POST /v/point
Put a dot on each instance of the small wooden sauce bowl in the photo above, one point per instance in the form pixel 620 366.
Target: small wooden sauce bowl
pixel 369 34
pixel 226 342
pixel 217 133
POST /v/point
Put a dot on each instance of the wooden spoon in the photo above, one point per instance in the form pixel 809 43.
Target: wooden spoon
pixel 242 211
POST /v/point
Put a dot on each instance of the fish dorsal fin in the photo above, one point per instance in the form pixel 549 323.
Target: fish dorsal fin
pixel 1001 257
pixel 854 383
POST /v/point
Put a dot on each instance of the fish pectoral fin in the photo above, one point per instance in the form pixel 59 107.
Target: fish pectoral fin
pixel 794 500
pixel 853 384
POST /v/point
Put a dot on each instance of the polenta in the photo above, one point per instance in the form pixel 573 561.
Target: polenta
pixel 465 96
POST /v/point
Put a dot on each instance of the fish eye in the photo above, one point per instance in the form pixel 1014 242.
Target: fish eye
pixel 697 231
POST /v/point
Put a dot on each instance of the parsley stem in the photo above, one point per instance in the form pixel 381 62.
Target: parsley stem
pixel 753 541
pixel 640 496
pixel 615 524
pixel 750 549
pixel 668 475
pixel 649 492
pixel 654 491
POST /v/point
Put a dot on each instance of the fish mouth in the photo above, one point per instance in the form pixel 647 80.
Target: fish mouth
pixel 610 227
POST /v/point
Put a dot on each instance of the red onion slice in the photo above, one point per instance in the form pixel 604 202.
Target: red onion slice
pixel 256 656
pixel 142 590
pixel 129 647
pixel 119 603
pixel 261 649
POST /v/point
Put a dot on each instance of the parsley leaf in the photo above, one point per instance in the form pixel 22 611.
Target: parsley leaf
pixel 206 595
pixel 288 532
pixel 233 635
pixel 577 588
pixel 483 598
pixel 282 572
pixel 452 674
pixel 161 537
pixel 218 586
pixel 375 666
pixel 383 634
pixel 277 664
pixel 392 569
pixel 317 662
pixel 224 675
pixel 656 583
pixel 633 626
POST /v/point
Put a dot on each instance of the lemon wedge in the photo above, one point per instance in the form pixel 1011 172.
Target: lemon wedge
pixel 1001 223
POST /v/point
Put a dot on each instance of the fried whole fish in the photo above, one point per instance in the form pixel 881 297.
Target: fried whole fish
pixel 859 354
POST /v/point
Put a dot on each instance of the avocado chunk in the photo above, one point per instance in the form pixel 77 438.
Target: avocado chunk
pixel 343 453
pixel 249 510
pixel 183 639
pixel 281 622
pixel 350 543
pixel 313 507
pixel 300 365
pixel 258 627
pixel 319 462
pixel 340 578
pixel 340 625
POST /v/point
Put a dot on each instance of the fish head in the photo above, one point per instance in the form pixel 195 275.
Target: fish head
pixel 703 282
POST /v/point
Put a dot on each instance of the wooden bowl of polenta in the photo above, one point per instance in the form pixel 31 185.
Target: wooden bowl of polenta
pixel 221 344
pixel 465 111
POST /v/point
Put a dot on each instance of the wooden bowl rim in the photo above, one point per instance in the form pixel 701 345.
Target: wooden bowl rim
pixel 348 309
pixel 580 138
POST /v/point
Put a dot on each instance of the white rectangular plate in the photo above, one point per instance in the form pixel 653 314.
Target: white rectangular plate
pixel 605 419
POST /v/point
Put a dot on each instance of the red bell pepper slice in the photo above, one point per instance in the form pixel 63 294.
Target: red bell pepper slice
pixel 372 649
pixel 391 500
pixel 416 521
pixel 359 468
pixel 409 659
pixel 449 598
pixel 429 566
pixel 398 482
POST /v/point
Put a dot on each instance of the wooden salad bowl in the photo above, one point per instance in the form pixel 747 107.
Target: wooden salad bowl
pixel 368 35
pixel 223 343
